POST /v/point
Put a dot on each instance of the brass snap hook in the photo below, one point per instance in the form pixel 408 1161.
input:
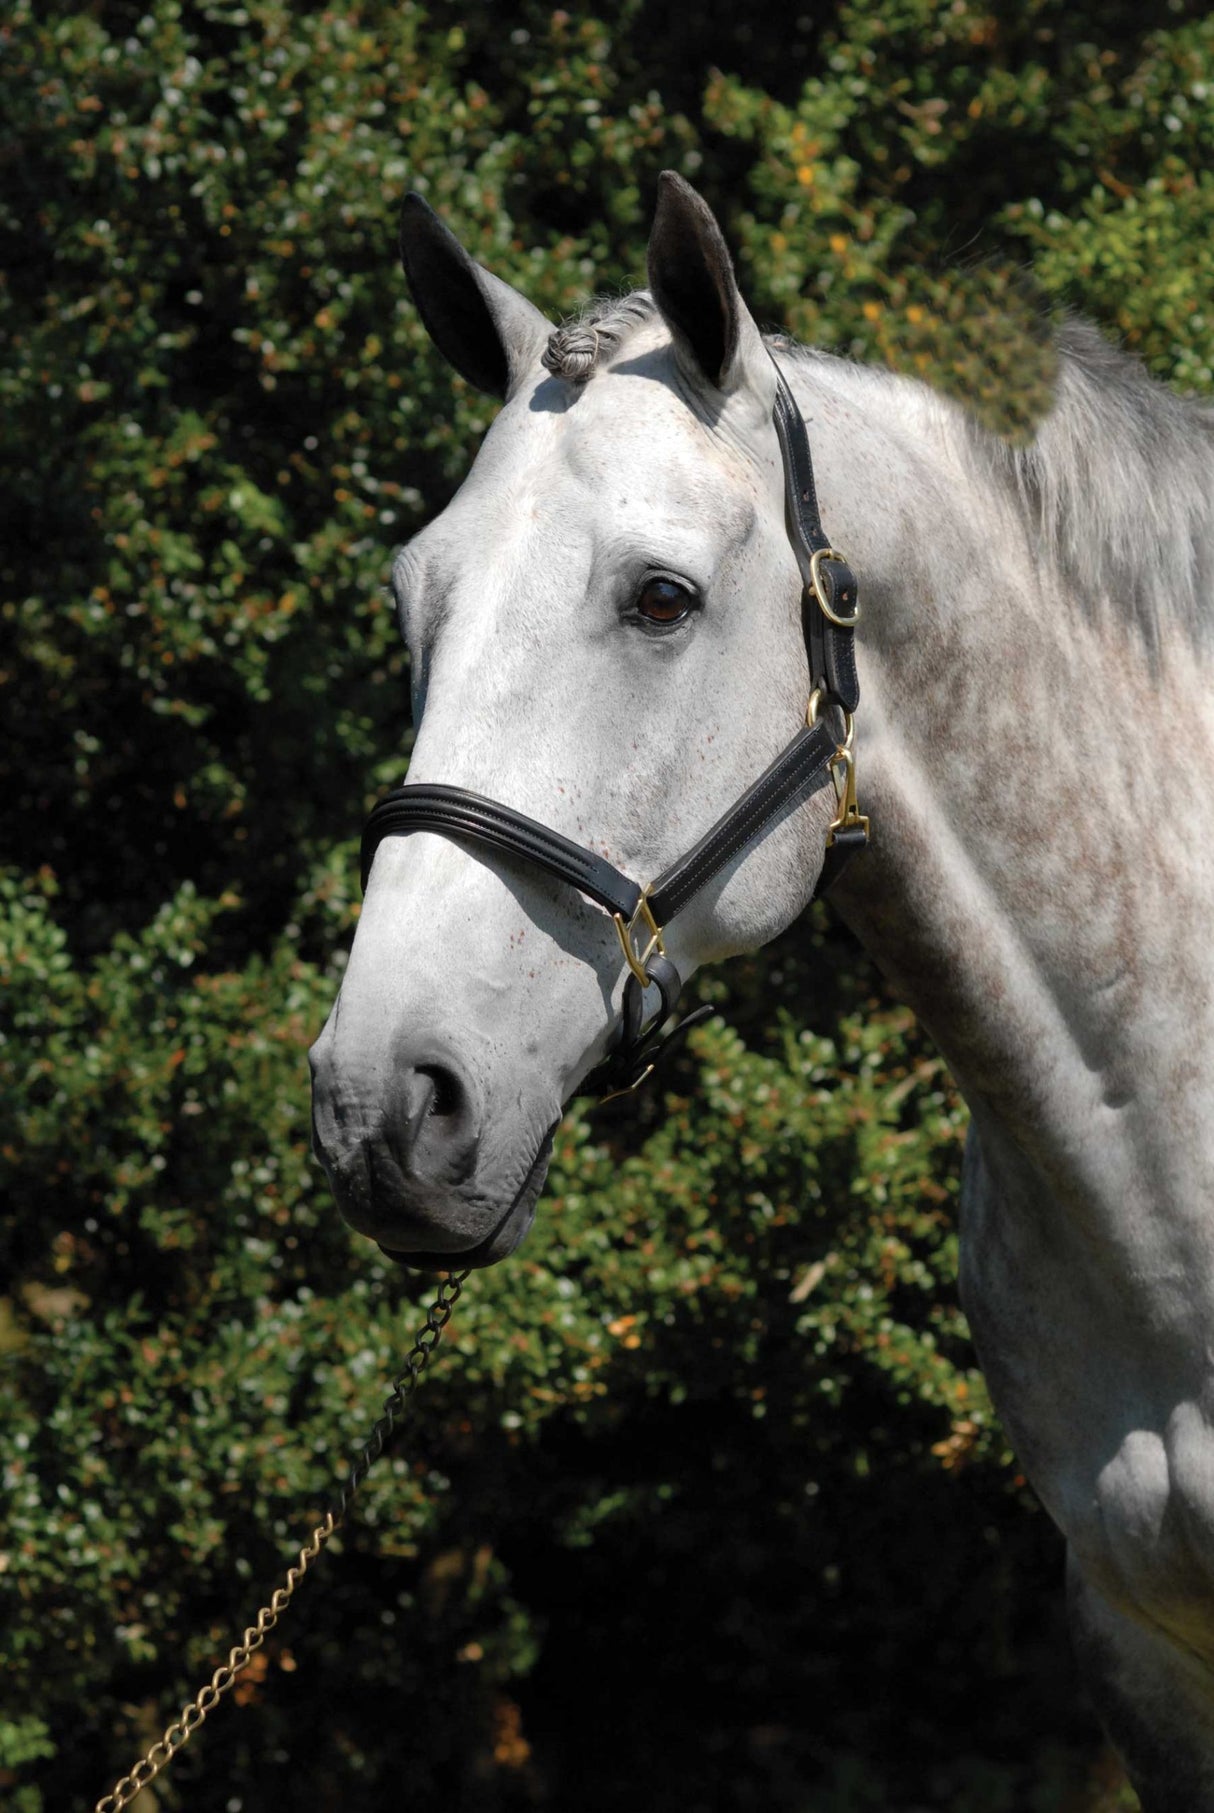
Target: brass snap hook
pixel 848 816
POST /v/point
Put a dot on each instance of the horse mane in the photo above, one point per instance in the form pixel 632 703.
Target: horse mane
pixel 1117 485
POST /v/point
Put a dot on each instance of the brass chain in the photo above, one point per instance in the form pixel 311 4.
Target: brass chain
pixel 162 1752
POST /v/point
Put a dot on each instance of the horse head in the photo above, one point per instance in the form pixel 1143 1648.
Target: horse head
pixel 605 634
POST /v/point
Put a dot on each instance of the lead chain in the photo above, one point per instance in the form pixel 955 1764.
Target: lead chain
pixel 178 1734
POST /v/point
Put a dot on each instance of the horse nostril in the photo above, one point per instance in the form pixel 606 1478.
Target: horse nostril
pixel 434 1131
pixel 446 1090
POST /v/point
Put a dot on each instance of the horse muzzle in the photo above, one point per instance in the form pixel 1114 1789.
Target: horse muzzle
pixel 415 1162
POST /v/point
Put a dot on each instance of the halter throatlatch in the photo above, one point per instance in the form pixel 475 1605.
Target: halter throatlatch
pixel 830 611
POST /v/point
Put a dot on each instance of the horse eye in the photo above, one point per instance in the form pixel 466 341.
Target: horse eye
pixel 664 601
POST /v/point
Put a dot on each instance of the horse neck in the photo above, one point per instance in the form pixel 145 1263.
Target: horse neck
pixel 1038 887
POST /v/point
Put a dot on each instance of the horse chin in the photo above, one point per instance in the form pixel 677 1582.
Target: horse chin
pixel 504 1239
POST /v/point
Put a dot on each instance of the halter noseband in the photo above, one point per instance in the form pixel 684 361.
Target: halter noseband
pixel 829 613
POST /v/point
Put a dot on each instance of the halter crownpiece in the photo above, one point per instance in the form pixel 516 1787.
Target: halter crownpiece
pixel 830 611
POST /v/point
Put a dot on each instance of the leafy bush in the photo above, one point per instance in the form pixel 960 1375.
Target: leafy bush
pixel 706 1506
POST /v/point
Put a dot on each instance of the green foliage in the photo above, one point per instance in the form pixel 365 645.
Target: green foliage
pixel 706 1505
pixel 936 131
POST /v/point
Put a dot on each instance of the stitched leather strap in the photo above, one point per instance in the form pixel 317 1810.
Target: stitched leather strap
pixel 454 812
pixel 805 523
pixel 829 646
pixel 800 768
pixel 850 841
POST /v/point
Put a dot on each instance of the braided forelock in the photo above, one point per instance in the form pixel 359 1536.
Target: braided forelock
pixel 576 348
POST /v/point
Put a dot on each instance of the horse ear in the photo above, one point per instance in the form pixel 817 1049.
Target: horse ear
pixel 692 281
pixel 486 329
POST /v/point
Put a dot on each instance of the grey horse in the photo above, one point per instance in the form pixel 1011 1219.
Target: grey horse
pixel 604 631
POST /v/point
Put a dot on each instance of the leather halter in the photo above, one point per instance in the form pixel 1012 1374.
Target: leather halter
pixel 829 613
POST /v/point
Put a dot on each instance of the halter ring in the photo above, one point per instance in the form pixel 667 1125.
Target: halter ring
pixel 849 720
pixel 627 930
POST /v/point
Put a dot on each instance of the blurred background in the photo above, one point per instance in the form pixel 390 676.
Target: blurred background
pixel 705 1509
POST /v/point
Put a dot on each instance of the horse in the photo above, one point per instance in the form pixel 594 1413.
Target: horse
pixel 606 634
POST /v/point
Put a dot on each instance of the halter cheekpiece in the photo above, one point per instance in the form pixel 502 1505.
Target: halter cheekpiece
pixel 829 614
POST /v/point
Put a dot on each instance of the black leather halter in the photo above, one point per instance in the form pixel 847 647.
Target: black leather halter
pixel 829 613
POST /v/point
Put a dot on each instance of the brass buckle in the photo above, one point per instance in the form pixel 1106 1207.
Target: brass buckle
pixel 627 931
pixel 815 580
